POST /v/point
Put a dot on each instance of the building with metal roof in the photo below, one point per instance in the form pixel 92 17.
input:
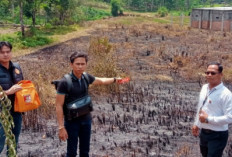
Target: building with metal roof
pixel 217 18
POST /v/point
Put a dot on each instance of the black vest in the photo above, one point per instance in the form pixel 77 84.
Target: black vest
pixel 9 77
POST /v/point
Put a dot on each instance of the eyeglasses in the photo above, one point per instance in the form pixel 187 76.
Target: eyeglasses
pixel 210 72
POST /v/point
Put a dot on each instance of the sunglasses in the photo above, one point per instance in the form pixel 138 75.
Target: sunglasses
pixel 210 72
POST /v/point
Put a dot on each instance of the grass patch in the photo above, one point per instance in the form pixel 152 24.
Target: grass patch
pixel 21 43
pixel 13 39
pixel 84 13
pixel 131 20
pixel 163 21
pixel 99 5
pixel 213 5
pixel 49 30
pixel 179 13
pixel 173 19
pixel 35 41
pixel 37 36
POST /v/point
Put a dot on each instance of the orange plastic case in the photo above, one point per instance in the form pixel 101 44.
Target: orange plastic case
pixel 26 99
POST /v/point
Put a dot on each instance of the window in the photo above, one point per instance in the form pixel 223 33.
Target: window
pixel 230 16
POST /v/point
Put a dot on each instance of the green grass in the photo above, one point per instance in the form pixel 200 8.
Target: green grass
pixel 175 19
pixel 97 5
pixel 163 21
pixel 12 38
pixel 213 5
pixel 35 41
pixel 22 43
pixel 85 13
pixel 132 20
pixel 179 13
pixel 49 30
pixel 37 37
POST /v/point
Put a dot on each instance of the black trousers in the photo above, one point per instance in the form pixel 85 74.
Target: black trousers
pixel 212 143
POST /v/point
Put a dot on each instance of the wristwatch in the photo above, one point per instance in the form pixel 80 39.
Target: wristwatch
pixel 207 120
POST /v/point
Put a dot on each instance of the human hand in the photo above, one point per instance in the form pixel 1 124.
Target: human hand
pixel 195 130
pixel 203 116
pixel 14 89
pixel 63 135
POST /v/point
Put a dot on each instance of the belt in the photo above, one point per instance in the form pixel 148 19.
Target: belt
pixel 207 131
pixel 212 131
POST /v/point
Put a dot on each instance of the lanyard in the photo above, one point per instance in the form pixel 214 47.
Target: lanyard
pixel 210 92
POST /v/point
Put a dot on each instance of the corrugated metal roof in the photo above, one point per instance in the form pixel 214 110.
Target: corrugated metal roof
pixel 215 8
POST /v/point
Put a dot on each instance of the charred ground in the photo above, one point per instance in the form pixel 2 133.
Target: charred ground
pixel 150 116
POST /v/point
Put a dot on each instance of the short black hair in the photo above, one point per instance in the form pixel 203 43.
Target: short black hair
pixel 5 43
pixel 76 54
pixel 220 67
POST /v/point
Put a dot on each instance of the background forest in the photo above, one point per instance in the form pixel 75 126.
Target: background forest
pixel 67 12
pixel 36 20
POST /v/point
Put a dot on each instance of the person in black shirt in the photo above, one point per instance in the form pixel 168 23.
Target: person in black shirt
pixel 77 128
pixel 10 75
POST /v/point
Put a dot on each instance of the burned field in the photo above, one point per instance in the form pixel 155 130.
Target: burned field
pixel 150 116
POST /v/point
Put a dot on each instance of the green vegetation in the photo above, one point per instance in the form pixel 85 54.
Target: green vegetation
pixel 53 30
pixel 7 122
pixel 32 40
pixel 116 8
pixel 35 41
pixel 59 17
pixel 89 13
pixel 172 5
pixel 20 42
pixel 46 19
pixel 131 20
pixel 162 11
pixel 97 4
pixel 161 21
pixel 37 36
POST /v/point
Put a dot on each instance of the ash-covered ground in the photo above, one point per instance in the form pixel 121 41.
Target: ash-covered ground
pixel 150 116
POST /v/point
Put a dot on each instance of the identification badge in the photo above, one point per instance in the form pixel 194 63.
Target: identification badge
pixel 17 71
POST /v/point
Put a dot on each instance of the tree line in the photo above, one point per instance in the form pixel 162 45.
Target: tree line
pixel 51 12
pixel 50 9
pixel 60 12
pixel 179 5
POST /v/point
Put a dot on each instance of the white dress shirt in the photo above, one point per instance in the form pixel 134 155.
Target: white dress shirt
pixel 218 106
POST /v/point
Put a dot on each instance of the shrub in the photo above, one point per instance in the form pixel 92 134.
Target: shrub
pixel 83 13
pixel 163 11
pixel 103 62
pixel 48 26
pixel 115 7
pixel 120 11
pixel 35 41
